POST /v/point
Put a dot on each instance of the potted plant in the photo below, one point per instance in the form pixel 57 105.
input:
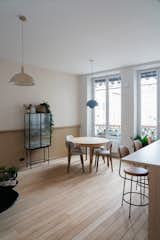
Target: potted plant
pixel 45 108
pixel 143 140
pixel 8 177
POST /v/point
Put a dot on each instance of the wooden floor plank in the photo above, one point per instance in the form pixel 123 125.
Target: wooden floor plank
pixel 55 205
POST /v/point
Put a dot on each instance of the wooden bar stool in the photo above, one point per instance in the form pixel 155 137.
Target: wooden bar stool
pixel 129 173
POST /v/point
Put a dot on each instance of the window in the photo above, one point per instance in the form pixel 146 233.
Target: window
pixel 100 110
pixel 107 115
pixel 148 107
pixel 114 99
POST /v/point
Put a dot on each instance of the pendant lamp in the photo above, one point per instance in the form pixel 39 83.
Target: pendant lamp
pixel 92 103
pixel 22 78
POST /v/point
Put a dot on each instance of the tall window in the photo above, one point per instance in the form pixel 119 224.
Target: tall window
pixel 100 124
pixel 107 117
pixel 148 103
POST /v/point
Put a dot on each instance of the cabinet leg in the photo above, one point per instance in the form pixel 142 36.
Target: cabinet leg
pixel 30 158
pixel 26 156
pixel 44 155
pixel 48 155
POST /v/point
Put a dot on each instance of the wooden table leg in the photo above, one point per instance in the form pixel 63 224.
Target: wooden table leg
pixel 154 203
pixel 91 158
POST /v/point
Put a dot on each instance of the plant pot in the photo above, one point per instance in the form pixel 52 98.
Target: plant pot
pixel 41 109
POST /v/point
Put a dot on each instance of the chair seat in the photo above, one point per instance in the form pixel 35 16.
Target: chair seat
pixel 136 171
pixel 103 152
pixel 76 151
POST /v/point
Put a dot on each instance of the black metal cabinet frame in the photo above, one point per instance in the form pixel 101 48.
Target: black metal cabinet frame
pixel 37 134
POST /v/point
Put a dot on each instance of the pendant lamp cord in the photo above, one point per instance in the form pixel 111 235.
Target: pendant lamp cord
pixel 22 46
pixel 22 19
pixel 91 65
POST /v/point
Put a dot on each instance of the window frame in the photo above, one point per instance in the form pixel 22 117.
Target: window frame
pixel 93 112
pixel 139 72
pixel 106 78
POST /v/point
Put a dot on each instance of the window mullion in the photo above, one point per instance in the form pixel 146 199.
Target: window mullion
pixel 158 105
pixel 139 104
pixel 107 107
pixel 93 112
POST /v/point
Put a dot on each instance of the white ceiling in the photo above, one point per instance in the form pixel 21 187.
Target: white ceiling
pixel 64 34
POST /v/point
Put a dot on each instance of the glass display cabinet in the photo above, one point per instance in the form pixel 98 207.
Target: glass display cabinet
pixel 37 134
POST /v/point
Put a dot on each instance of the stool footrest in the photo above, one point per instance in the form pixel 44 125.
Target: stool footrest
pixel 133 204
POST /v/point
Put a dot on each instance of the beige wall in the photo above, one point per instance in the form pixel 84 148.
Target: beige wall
pixel 61 90
pixel 12 146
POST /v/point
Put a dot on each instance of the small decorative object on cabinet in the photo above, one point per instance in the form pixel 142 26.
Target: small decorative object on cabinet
pixel 38 130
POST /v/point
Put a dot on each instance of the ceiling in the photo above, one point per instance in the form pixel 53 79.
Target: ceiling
pixel 64 34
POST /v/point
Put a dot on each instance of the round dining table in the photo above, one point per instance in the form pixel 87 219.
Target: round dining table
pixel 91 143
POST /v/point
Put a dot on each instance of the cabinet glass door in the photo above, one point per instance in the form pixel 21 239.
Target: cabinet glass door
pixel 45 129
pixel 27 135
pixel 34 130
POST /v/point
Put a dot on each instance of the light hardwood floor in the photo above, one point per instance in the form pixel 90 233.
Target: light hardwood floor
pixel 56 205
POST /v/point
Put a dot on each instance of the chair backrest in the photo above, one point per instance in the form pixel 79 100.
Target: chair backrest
pixel 122 151
pixel 149 139
pixel 68 141
pixel 137 145
pixel 73 149
pixel 109 146
pixel 69 138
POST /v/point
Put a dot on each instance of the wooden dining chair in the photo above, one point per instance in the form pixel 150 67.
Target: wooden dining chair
pixel 105 152
pixel 73 149
pixel 149 139
pixel 129 173
pixel 137 145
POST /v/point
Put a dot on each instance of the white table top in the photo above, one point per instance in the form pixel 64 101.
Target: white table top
pixel 149 155
pixel 90 140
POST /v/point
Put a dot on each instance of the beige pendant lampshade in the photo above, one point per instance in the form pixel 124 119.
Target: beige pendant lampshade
pixel 21 78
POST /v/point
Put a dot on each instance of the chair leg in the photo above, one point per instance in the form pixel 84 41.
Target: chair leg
pixel 69 162
pixel 86 153
pixel 124 183
pixel 95 163
pixel 97 160
pixel 82 162
pixel 107 161
pixel 103 157
pixel 111 163
pixel 130 202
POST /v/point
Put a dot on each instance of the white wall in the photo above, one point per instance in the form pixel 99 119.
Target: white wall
pixel 86 114
pixel 129 100
pixel 60 90
pixel 83 110
pixel 129 109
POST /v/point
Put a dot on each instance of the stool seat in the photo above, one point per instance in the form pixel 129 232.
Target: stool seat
pixel 136 171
